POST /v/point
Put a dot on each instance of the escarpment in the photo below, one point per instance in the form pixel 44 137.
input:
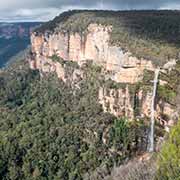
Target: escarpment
pixel 95 46
pixel 132 98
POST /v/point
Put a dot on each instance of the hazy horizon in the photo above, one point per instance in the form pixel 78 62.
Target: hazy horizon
pixel 13 21
pixel 45 10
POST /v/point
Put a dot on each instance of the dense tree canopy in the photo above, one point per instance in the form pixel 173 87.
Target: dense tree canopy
pixel 48 130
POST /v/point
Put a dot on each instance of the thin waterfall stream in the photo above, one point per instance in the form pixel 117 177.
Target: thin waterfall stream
pixel 151 134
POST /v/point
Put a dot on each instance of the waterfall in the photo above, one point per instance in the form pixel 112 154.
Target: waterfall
pixel 151 134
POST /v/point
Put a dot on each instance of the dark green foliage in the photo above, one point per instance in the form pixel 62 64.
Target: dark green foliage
pixel 71 64
pixel 166 94
pixel 50 131
pixel 110 84
pixel 56 58
pixel 169 158
pixel 119 135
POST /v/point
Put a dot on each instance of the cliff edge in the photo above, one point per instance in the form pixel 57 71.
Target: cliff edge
pixel 127 45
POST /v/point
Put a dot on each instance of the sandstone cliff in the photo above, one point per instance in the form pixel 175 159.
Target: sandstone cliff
pixel 120 66
pixel 95 45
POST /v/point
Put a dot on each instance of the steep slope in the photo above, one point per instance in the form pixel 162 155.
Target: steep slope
pixel 152 35
pixel 52 130
pixel 128 45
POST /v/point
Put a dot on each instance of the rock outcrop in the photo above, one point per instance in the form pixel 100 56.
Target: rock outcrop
pixel 121 66
pixel 94 45
pixel 117 101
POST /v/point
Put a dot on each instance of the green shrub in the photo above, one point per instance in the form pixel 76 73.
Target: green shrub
pixel 121 132
pixel 56 58
pixel 169 158
pixel 166 94
pixel 49 130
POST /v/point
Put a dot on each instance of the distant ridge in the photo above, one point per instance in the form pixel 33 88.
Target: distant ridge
pixel 14 38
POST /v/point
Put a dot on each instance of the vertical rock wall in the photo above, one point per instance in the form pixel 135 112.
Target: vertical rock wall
pixel 92 45
pixel 95 45
pixel 117 102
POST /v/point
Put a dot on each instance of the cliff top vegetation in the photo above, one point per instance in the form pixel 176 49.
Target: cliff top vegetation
pixel 149 34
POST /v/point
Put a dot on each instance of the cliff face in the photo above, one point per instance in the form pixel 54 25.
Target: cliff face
pixel 91 46
pixel 123 102
pixel 120 66
pixel 118 102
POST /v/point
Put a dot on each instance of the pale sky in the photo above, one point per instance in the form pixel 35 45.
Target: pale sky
pixel 43 10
